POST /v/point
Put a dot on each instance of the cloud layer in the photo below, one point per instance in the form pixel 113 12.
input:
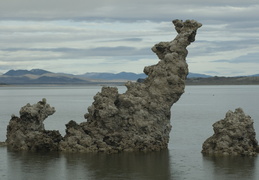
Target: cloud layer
pixel 112 36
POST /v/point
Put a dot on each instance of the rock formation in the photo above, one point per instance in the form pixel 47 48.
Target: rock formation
pixel 27 132
pixel 233 135
pixel 137 120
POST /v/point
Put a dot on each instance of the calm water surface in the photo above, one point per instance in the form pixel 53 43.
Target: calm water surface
pixel 192 119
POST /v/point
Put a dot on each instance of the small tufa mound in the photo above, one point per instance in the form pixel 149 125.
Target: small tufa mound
pixel 234 135
pixel 27 132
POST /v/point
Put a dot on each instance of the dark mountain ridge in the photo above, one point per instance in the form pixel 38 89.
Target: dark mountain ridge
pixel 24 72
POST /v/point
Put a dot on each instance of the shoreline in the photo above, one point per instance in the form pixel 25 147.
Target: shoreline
pixel 3 144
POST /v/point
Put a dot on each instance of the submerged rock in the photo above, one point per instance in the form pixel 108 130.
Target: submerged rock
pixel 27 132
pixel 233 135
pixel 139 119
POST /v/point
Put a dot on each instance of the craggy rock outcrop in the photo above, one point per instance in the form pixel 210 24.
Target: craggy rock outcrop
pixel 139 119
pixel 27 132
pixel 233 135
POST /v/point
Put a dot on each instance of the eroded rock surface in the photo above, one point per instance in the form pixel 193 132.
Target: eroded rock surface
pixel 27 132
pixel 233 135
pixel 139 119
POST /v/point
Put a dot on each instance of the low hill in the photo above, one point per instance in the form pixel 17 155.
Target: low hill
pixel 244 80
pixel 197 75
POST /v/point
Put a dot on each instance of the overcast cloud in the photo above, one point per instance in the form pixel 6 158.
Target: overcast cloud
pixel 113 35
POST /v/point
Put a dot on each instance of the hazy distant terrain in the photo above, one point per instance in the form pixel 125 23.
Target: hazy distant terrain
pixel 39 76
pixel 244 80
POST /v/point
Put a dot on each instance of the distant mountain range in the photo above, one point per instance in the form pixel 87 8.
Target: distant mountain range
pixel 40 76
pixel 112 76
pixel 255 75
pixel 24 72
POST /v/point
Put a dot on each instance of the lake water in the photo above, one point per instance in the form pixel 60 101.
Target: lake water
pixel 192 119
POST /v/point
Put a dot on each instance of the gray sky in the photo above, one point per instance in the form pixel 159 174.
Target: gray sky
pixel 114 35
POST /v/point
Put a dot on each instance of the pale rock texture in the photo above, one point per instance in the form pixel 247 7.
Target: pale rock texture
pixel 139 119
pixel 27 132
pixel 234 135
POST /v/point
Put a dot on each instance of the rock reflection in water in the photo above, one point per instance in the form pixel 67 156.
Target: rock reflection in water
pixel 30 166
pixel 152 165
pixel 237 168
pixel 143 166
